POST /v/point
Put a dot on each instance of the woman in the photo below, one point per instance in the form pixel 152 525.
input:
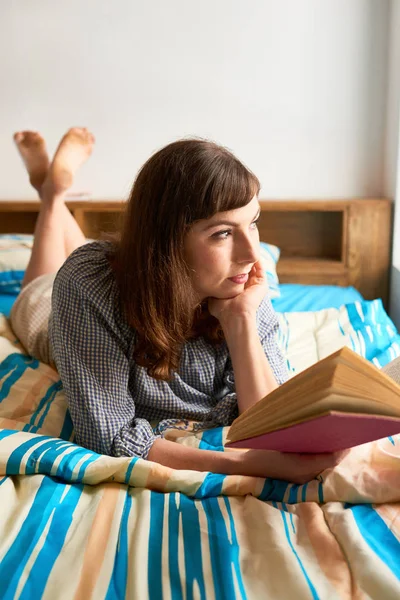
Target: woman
pixel 170 324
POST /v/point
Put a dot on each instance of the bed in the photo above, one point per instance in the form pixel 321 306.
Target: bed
pixel 75 524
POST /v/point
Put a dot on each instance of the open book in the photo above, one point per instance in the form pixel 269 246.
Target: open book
pixel 339 402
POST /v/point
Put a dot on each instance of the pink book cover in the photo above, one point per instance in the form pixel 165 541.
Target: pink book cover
pixel 326 433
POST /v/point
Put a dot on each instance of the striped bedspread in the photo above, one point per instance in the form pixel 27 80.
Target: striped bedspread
pixel 75 524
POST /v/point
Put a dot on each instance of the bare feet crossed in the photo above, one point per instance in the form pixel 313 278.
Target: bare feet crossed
pixel 74 149
pixel 55 178
pixel 32 149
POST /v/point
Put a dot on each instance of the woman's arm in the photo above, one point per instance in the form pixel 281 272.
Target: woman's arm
pixel 296 468
pixel 254 378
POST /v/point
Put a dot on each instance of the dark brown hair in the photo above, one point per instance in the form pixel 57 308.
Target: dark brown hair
pixel 188 180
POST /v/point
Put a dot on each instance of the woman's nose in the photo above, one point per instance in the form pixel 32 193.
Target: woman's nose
pixel 249 250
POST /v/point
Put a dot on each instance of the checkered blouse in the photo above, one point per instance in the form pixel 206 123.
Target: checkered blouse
pixel 116 407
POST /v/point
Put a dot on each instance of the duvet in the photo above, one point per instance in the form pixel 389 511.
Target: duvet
pixel 75 524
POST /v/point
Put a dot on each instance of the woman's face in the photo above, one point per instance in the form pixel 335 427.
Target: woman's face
pixel 226 245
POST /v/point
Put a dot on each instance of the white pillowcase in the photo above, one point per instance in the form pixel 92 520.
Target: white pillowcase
pixel 269 259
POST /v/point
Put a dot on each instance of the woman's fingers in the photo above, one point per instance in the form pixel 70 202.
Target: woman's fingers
pixel 311 465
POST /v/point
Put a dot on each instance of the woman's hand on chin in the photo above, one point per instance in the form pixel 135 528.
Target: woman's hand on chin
pixel 245 303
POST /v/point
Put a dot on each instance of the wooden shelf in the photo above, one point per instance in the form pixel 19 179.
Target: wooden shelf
pixel 336 242
pixel 312 271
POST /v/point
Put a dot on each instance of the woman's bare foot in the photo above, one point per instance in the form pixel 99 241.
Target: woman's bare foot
pixel 74 149
pixel 32 149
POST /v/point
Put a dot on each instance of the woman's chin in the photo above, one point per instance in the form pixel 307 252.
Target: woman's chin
pixel 224 296
pixel 226 290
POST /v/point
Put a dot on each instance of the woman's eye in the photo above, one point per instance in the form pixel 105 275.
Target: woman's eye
pixel 222 235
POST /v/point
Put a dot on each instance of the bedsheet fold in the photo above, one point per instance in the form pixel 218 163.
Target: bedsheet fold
pixel 369 473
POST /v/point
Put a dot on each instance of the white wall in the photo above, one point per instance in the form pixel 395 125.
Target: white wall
pixel 297 88
pixel 393 100
pixel 392 158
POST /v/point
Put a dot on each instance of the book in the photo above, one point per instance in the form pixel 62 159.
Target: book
pixel 339 402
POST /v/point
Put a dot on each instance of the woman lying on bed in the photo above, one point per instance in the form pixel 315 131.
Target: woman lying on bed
pixel 170 324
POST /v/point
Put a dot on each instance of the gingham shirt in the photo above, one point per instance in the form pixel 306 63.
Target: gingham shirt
pixel 114 404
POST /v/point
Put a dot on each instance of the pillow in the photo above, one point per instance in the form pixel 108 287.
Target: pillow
pixel 15 251
pixel 365 327
pixel 296 297
pixel 269 256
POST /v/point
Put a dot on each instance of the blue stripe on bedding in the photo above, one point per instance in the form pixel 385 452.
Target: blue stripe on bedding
pixel 67 428
pixel 129 470
pixel 176 514
pixel 223 552
pixel 154 575
pixel 211 486
pixel 274 490
pixel 119 578
pixel 374 334
pixel 11 278
pixel 44 405
pixel 377 535
pixel 235 544
pixel 12 368
pixel 68 463
pixel 52 447
pixel 6 432
pixel 49 498
pixel 6 302
pixel 183 509
pixel 312 589
pixel 59 527
pixel 212 439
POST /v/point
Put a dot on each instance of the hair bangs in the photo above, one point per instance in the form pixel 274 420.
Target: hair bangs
pixel 230 186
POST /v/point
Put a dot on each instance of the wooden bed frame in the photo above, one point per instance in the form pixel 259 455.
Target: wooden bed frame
pixel 338 242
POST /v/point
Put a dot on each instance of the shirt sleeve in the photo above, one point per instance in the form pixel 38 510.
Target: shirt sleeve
pixel 91 356
pixel 268 327
pixel 226 409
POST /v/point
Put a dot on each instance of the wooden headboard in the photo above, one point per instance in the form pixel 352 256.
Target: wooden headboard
pixel 337 242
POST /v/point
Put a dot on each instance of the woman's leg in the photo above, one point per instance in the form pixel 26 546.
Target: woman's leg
pixel 57 233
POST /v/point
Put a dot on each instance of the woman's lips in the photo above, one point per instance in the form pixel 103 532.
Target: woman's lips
pixel 240 278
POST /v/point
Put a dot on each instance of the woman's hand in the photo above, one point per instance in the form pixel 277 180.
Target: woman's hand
pixel 288 466
pixel 247 301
